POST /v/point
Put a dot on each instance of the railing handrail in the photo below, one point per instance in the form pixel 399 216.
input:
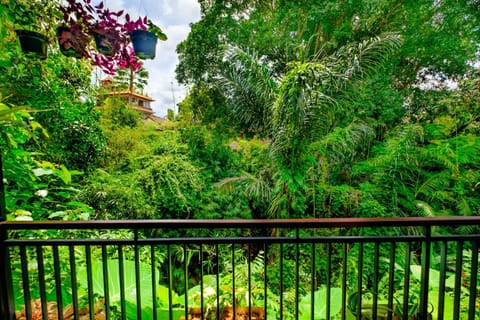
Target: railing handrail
pixel 243 223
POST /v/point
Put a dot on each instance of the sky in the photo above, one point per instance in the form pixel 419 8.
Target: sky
pixel 174 18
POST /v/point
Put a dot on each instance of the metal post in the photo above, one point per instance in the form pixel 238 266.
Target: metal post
pixel 7 309
pixel 423 312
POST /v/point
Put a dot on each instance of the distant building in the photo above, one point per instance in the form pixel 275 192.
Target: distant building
pixel 134 100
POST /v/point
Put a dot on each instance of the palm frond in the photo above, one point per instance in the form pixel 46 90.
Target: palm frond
pixel 254 187
pixel 346 144
pixel 436 182
pixel 249 86
pixel 357 60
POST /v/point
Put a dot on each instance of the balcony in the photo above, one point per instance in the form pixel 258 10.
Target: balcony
pixel 372 268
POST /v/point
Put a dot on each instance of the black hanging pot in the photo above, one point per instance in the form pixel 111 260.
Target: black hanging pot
pixel 33 44
pixel 144 43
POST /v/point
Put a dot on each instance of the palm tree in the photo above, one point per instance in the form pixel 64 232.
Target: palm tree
pixel 305 110
pixel 249 87
pixel 296 109
pixel 133 81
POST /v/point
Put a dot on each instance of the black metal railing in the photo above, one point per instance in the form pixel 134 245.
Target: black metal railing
pixel 372 268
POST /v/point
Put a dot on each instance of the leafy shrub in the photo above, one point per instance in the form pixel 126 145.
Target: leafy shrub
pixel 209 150
pixel 76 139
pixel 173 185
pixel 35 188
pixel 115 197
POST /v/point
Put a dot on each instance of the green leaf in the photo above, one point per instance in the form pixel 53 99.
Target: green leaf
pixel 320 308
pixel 434 275
pixel 64 174
pixel 42 172
pixel 130 291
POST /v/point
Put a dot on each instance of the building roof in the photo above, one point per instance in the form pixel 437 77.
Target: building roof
pixel 131 94
pixel 143 109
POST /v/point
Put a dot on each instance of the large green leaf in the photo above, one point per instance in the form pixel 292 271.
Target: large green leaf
pixel 433 277
pixel 320 308
pixel 130 291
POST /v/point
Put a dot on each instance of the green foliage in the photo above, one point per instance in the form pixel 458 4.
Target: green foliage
pixel 128 79
pixel 320 309
pixel 115 114
pixel 173 185
pixel 75 136
pixel 115 197
pixel 208 150
pixel 35 188
pixel 205 105
pixel 130 281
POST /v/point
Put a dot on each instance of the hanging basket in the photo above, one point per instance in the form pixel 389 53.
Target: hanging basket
pixel 144 43
pixel 33 44
pixel 66 45
pixel 104 44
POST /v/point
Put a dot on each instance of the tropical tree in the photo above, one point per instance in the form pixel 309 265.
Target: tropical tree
pixel 305 111
pixel 132 80
pixel 249 86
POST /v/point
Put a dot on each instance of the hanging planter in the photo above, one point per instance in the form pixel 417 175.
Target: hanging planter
pixel 105 45
pixel 144 43
pixel 72 41
pixel 33 43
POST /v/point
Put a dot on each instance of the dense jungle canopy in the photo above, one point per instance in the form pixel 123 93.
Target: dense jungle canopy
pixel 295 109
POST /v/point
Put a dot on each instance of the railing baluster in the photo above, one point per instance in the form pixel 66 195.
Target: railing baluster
pixel 58 282
pixel 185 278
pixel 217 278
pixel 88 262
pixel 376 263
pixel 170 282
pixel 458 280
pixel 7 305
pixel 425 277
pixel 25 283
pixel 41 281
pixel 406 281
pixel 265 279
pixel 234 302
pixel 154 282
pixel 137 275
pixel 121 271
pixel 312 285
pixel 249 284
pixel 391 279
pixel 441 288
pixel 106 291
pixel 73 281
pixel 359 281
pixel 329 279
pixel 201 282
pixel 344 280
pixel 297 271
pixel 473 281
pixel 281 281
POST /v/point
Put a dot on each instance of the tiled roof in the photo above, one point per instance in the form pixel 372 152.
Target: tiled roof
pixel 131 94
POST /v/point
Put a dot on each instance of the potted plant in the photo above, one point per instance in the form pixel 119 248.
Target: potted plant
pixel 144 41
pixel 33 43
pixel 27 21
pixel 112 31
pixel 73 41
